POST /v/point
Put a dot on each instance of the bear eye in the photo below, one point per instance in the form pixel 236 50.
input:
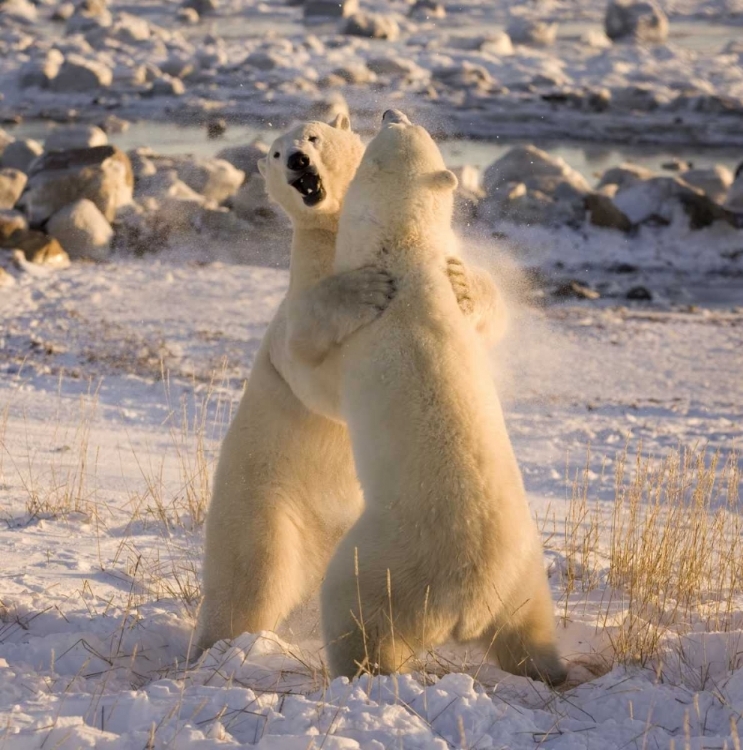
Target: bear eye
pixel 313 139
pixel 276 155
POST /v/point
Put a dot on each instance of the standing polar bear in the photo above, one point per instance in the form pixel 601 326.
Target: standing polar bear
pixel 285 489
pixel 446 547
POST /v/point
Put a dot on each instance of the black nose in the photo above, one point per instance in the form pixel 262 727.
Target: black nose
pixel 298 161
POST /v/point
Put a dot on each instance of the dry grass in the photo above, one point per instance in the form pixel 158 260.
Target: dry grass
pixel 672 558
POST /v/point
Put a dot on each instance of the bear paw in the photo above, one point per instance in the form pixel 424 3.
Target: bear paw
pixel 460 284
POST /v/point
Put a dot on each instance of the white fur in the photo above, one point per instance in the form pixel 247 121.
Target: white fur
pixel 285 489
pixel 446 515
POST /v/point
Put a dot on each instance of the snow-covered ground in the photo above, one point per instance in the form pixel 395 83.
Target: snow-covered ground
pixel 104 471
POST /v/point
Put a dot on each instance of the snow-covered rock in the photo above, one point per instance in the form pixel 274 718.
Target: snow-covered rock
pixel 423 10
pixel 641 20
pixel 40 72
pixel 188 16
pixel 166 85
pixel 215 179
pixel 10 223
pixel 19 11
pixel 603 212
pixel 251 202
pixel 82 230
pixel 102 174
pixel 75 136
pixel 625 174
pixel 245 157
pixel 40 248
pixel 79 74
pixel 20 154
pixel 202 7
pixel 531 31
pixel 531 165
pixel 372 26
pixel 713 181
pixel 12 182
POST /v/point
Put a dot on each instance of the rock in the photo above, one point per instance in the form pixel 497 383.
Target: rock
pixel 215 179
pixel 328 107
pixel 662 199
pixel 112 124
pixel 464 74
pixel 424 10
pixel 40 73
pixel 202 7
pixel 79 74
pixel 102 174
pixel 575 290
pixel 625 174
pixel 529 165
pixel 330 8
pixel 142 165
pixel 188 16
pixel 216 128
pixel 676 165
pixel 714 182
pixel 12 182
pixel 20 154
pixel 641 293
pixel 603 213
pixel 38 248
pixel 10 223
pixel 63 12
pixel 523 205
pixel 530 31
pixel 165 183
pixel 6 279
pixel 252 203
pixel 83 230
pixel 264 60
pixel 372 26
pixel 88 16
pixel 355 73
pixel 178 65
pixel 245 157
pixel 75 136
pixel 167 86
pixel 139 232
pixel 126 29
pixel 392 65
pixel 643 21
pixel 19 11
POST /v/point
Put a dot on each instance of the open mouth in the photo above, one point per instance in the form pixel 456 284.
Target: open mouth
pixel 309 186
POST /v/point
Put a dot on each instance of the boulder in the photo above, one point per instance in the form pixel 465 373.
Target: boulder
pixel 82 230
pixel 625 174
pixel 246 157
pixel 252 203
pixel 603 213
pixel 18 11
pixel 714 182
pixel 372 26
pixel 662 199
pixel 41 72
pixel 355 73
pixel 643 21
pixel 531 31
pixel 5 141
pixel 20 154
pixel 215 179
pixel 89 15
pixel 164 183
pixel 75 136
pixel 188 16
pixel 38 248
pixel 102 174
pixel 424 10
pixel 12 182
pixel 523 205
pixel 393 65
pixel 330 8
pixel 10 223
pixel 79 74
pixel 202 7
pixel 63 12
pixel 167 86
pixel 530 165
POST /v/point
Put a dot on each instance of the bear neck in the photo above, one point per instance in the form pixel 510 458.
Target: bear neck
pixel 312 256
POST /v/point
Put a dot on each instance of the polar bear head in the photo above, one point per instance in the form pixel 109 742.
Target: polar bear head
pixel 401 197
pixel 308 170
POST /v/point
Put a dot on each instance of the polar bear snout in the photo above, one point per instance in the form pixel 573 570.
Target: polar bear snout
pixel 298 161
pixel 396 117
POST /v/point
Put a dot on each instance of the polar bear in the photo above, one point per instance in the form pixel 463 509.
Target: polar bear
pixel 446 547
pixel 285 488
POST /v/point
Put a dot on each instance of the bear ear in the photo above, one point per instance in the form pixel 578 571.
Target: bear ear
pixel 341 121
pixel 262 166
pixel 442 180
